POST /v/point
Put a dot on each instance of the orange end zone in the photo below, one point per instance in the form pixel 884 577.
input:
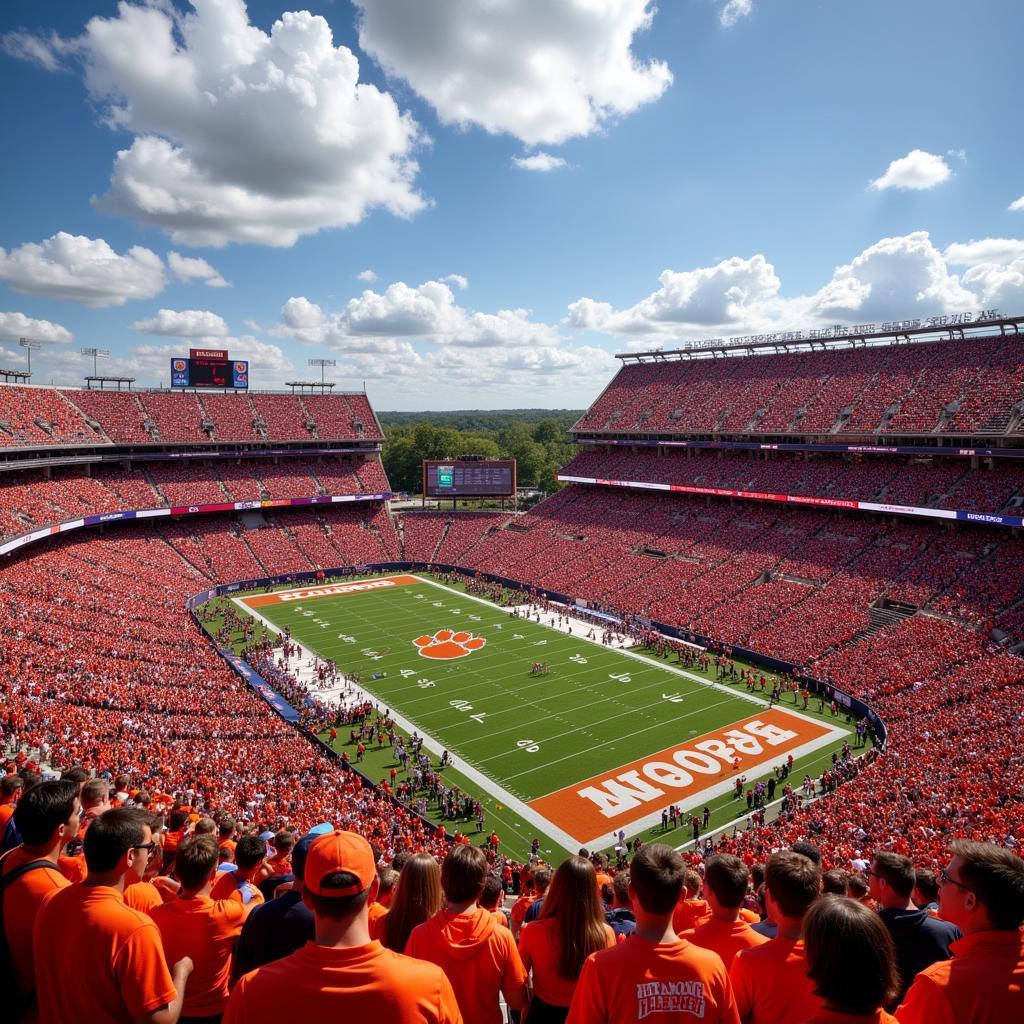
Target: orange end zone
pixel 328 590
pixel 595 807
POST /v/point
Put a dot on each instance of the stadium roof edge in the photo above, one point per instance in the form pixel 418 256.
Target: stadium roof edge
pixel 955 328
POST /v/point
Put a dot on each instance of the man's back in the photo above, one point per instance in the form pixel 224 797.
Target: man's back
pixel 669 982
pixel 360 983
pixel 982 984
pixel 478 956
pixel 920 940
pixel 726 938
pixel 771 983
pixel 204 930
pixel 96 959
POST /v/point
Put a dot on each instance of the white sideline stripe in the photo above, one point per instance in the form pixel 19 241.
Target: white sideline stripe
pixel 550 829
pixel 539 822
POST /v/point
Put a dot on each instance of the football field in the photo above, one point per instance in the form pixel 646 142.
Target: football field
pixel 603 740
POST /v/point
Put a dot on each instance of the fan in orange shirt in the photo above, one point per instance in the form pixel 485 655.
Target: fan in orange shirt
pixel 46 816
pixel 240 885
pixel 343 975
pixel 691 911
pixel 196 926
pixel 655 974
pixel 770 981
pixel 725 885
pixel 554 947
pixel 10 792
pixel 534 884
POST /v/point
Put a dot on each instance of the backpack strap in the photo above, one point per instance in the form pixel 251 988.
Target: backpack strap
pixel 13 876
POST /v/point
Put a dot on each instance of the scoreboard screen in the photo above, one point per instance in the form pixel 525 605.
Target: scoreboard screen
pixel 469 478
pixel 209 372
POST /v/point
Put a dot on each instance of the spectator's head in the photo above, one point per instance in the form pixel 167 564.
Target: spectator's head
pixel 850 956
pixel 725 882
pixel 620 891
pixel 205 827
pixel 196 862
pixel 493 892
pixel 891 878
pixel 541 879
pixel 226 828
pixel 656 874
pixel 76 774
pixel 417 898
pixel 47 814
pixel 809 850
pixel 694 884
pixel 835 882
pixel 926 887
pixel 388 880
pixel 249 853
pixel 11 787
pixel 399 860
pixel 792 884
pixel 982 888
pixel 857 887
pixel 95 798
pixel 118 843
pixel 284 841
pixel 463 874
pixel 339 877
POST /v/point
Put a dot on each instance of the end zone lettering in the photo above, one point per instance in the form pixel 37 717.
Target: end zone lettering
pixel 630 792
pixel 329 590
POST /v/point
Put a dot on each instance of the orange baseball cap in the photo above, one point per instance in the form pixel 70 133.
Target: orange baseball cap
pixel 339 851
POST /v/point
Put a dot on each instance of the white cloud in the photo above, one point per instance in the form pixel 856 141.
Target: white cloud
pixel 366 275
pixel 917 170
pixel 17 325
pixel 193 268
pixel 734 10
pixel 987 250
pixel 539 162
pixel 900 277
pixel 185 323
pixel 241 136
pixel 80 269
pixel 47 51
pixel 541 71
pixel 458 280
pixel 1017 204
pixel 427 312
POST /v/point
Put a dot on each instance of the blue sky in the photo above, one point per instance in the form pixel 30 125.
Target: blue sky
pixel 476 204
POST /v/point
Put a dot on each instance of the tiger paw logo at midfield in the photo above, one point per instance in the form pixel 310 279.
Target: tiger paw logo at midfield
pixel 445 645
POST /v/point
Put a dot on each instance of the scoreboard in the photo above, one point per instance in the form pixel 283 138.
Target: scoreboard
pixel 469 478
pixel 209 368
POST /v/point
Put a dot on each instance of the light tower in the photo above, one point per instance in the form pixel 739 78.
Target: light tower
pixel 323 364
pixel 28 345
pixel 95 353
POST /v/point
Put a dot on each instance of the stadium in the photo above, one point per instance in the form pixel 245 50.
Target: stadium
pixel 563 647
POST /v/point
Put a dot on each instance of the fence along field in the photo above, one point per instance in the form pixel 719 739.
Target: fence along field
pixel 601 740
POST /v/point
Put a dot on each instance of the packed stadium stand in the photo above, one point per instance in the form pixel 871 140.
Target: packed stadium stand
pixel 918 616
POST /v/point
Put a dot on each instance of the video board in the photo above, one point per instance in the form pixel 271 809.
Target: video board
pixel 209 369
pixel 469 478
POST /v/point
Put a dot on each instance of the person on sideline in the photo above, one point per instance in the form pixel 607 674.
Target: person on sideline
pixel 654 975
pixel 982 893
pixel 343 974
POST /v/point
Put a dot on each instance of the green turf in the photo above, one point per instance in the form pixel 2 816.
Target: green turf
pixel 597 708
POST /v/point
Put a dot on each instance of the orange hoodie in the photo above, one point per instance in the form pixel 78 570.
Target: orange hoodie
pixel 478 956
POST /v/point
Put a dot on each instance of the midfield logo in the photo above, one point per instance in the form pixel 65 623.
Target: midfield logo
pixel 445 645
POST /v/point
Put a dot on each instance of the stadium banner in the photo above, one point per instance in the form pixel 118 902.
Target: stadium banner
pixel 259 685
pixel 234 453
pixel 851 449
pixel 591 809
pixel 801 499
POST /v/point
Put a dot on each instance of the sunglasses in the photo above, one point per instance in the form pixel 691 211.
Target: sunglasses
pixel 148 847
pixel 944 877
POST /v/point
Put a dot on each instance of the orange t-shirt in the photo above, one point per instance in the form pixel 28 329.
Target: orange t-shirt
pixel 690 914
pixel 983 983
pixel 22 901
pixel 667 983
pixel 96 959
pixel 519 909
pixel 539 948
pixel 229 886
pixel 206 931
pixel 831 1017
pixel 143 896
pixel 73 868
pixel 377 913
pixel 362 983
pixel 726 938
pixel 6 812
pixel 771 983
pixel 478 957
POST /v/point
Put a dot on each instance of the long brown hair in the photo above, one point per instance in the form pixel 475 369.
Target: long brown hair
pixel 573 902
pixel 417 898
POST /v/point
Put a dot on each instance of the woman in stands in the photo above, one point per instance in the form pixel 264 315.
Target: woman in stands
pixel 851 961
pixel 417 898
pixel 553 948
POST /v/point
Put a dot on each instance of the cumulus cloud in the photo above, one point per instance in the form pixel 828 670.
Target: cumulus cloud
pixel 987 250
pixel 543 72
pixel 539 162
pixel 917 170
pixel 458 280
pixel 185 323
pixel 81 269
pixel 733 11
pixel 193 268
pixel 427 312
pixel 366 275
pixel 241 135
pixel 17 325
pixel 1017 204
pixel 901 277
